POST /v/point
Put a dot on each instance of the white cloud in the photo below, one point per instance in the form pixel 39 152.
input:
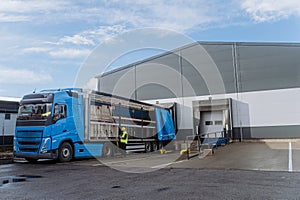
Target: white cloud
pixel 13 18
pixel 69 53
pixel 271 10
pixel 93 36
pixel 115 15
pixel 175 15
pixel 22 76
pixel 58 50
pixel 105 31
pixel 29 10
pixel 29 6
pixel 77 39
pixel 36 50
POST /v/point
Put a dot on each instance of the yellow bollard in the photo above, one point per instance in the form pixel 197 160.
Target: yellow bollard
pixel 163 151
pixel 184 151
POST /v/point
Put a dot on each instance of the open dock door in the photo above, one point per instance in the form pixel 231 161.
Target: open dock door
pixel 213 118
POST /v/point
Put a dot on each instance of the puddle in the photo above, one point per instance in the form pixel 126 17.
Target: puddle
pixel 16 179
pixel 11 179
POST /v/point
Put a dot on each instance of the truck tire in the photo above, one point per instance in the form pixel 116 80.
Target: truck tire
pixel 107 150
pixel 160 145
pixel 65 152
pixel 154 146
pixel 148 147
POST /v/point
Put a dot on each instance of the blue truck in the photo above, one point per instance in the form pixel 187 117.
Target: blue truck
pixel 71 123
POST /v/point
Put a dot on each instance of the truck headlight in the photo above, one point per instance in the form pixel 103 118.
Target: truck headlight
pixel 46 145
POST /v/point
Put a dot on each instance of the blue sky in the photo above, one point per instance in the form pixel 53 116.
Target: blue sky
pixel 44 43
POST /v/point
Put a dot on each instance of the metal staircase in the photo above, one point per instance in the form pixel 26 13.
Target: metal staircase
pixel 205 144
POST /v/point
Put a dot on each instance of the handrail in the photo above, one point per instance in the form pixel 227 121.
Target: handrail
pixel 211 137
pixel 204 138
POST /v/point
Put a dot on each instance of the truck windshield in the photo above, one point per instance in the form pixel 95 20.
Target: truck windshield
pixel 34 111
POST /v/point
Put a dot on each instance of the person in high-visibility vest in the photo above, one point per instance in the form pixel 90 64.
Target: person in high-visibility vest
pixel 124 138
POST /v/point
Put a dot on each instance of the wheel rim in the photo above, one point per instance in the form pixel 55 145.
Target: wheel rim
pixel 148 147
pixel 106 151
pixel 66 152
pixel 154 146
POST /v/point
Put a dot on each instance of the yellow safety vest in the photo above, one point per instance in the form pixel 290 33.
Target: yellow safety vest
pixel 46 114
pixel 124 138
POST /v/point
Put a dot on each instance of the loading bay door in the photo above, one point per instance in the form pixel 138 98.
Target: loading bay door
pixel 211 121
pixel 212 117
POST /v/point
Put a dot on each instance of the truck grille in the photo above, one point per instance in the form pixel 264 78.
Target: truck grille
pixel 29 144
pixel 29 141
pixel 29 133
pixel 29 150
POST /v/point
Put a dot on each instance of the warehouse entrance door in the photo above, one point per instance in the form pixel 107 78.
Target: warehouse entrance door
pixel 212 117
pixel 211 121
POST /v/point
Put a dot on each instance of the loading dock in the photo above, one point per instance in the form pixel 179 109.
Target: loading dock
pixel 213 116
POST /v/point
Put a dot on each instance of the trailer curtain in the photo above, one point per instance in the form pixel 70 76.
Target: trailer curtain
pixel 164 125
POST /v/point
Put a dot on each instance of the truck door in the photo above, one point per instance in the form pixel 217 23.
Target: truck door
pixel 59 119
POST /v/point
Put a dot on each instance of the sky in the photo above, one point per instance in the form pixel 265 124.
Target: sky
pixel 43 44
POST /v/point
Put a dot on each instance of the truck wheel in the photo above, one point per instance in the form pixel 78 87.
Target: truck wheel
pixel 154 146
pixel 148 147
pixel 65 152
pixel 31 160
pixel 160 145
pixel 107 150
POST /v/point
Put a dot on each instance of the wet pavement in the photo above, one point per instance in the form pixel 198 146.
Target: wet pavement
pixel 237 171
pixel 83 181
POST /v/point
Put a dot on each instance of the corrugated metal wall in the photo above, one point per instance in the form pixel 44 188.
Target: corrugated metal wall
pixel 243 70
pixel 243 67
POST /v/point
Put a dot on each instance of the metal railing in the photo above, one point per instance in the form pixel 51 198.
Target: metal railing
pixel 197 143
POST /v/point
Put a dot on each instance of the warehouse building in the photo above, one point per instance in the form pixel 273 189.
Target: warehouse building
pixel 8 115
pixel 251 90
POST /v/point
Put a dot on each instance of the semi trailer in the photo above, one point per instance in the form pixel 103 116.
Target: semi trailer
pixel 71 123
pixel 8 115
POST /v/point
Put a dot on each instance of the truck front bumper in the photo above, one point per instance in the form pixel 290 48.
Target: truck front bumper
pixel 49 155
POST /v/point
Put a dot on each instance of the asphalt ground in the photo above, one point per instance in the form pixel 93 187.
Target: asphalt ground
pixel 47 180
pixel 263 156
pixel 237 171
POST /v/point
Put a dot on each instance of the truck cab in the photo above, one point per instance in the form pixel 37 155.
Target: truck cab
pixel 46 127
